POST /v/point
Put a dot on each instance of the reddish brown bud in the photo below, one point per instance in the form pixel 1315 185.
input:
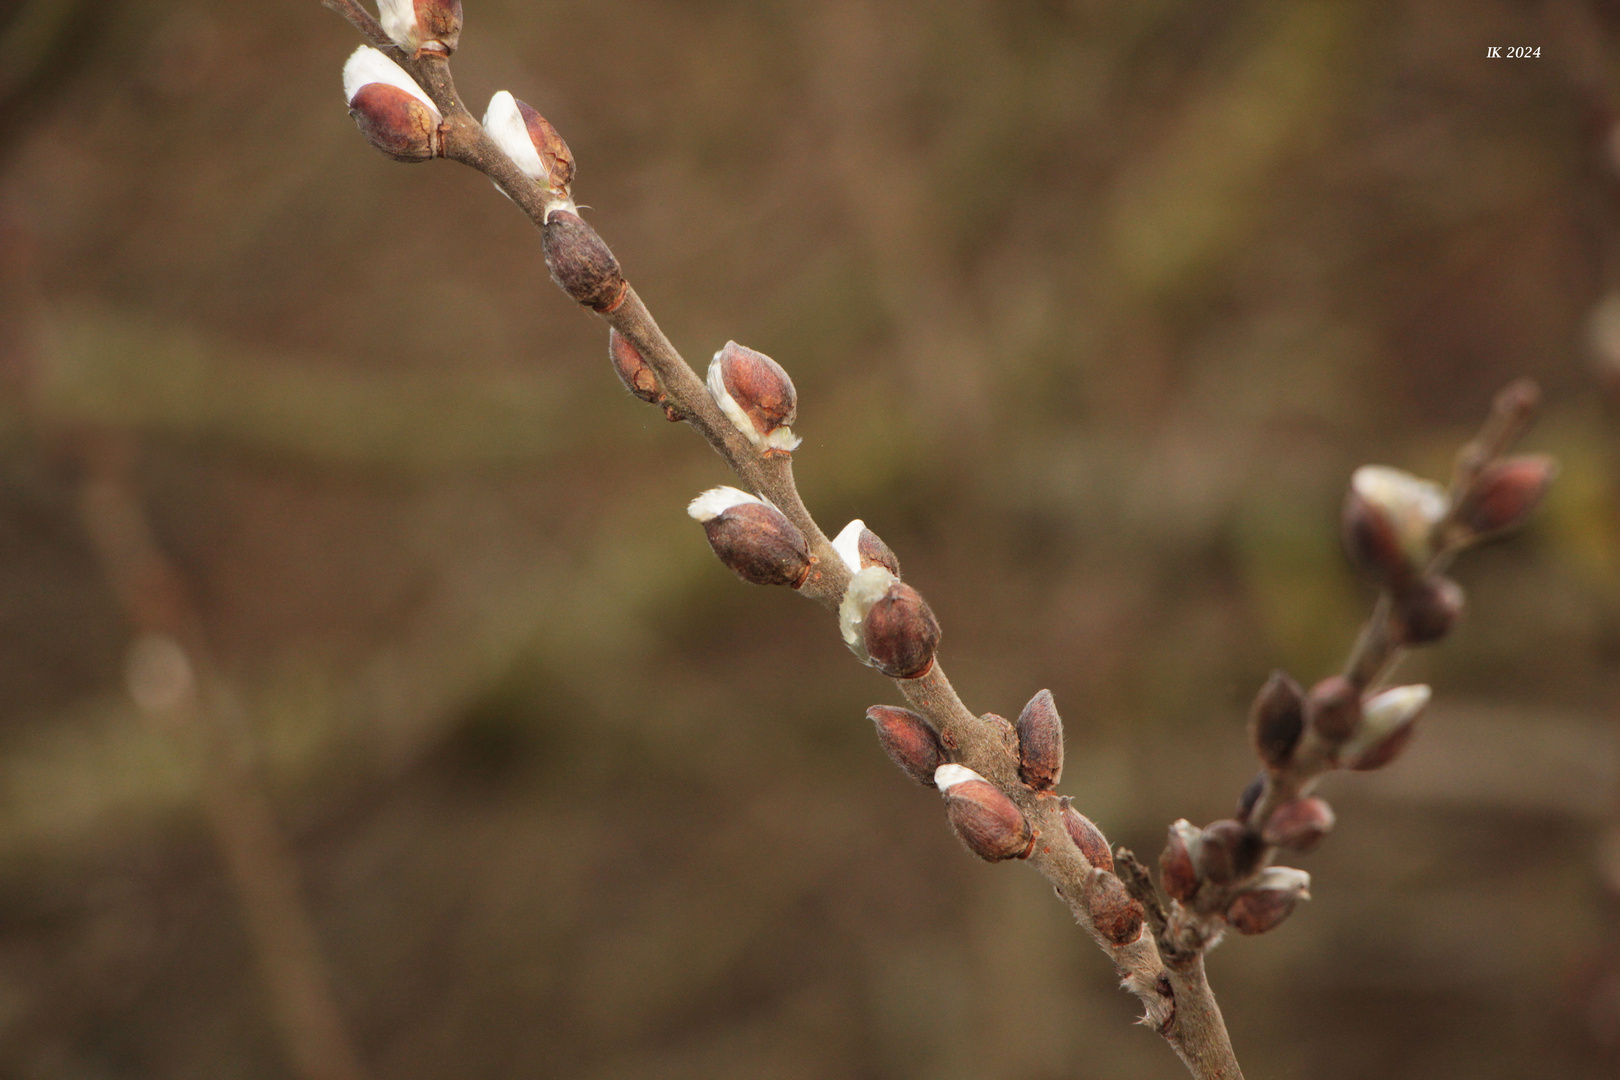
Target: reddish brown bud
pixel 1117 917
pixel 986 820
pixel 1427 610
pixel 1087 837
pixel 634 371
pixel 1176 872
pixel 581 263
pixel 1250 795
pixel 1299 824
pixel 901 633
pixel 1228 851
pixel 1275 894
pixel 1371 542
pixel 418 25
pixel 756 395
pixel 909 741
pixel 874 552
pixel 1276 719
pixel 1389 519
pixel 1040 743
pixel 1388 722
pixel 752 538
pixel 1333 708
pixel 1506 493
pixel 392 111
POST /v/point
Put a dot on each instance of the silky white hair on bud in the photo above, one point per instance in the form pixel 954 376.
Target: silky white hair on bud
pixel 716 501
pixel 716 380
pixel 1284 879
pixel 1382 715
pixel 866 588
pixel 1414 505
pixel 504 123
pixel 848 545
pixel 398 18
pixel 948 776
pixel 367 65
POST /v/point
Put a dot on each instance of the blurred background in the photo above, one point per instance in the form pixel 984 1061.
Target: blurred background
pixel 491 769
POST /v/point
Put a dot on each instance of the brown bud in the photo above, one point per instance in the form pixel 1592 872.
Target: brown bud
pixel 555 157
pixel 1176 872
pixel 1506 493
pixel 752 538
pixel 986 820
pixel 1371 541
pixel 1040 743
pixel 396 122
pixel 1087 837
pixel 1228 851
pixel 1250 795
pixel 1276 719
pixel 419 26
pixel 1275 894
pixel 1426 610
pixel 1389 520
pixel 909 741
pixel 1299 824
pixel 440 21
pixel 874 552
pixel 634 371
pixel 901 633
pixel 756 395
pixel 581 263
pixel 1117 917
pixel 1333 708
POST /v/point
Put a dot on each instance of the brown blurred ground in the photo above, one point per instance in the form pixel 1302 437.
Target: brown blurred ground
pixel 1092 308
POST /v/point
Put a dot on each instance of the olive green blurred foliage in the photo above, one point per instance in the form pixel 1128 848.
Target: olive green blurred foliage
pixel 1092 308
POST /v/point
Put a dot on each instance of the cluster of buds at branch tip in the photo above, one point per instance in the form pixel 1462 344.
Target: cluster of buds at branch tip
pixel 888 624
pixel 860 547
pixel 1114 914
pixel 534 147
pixel 394 114
pixel 637 375
pixel 909 740
pixel 419 26
pixel 752 537
pixel 1277 719
pixel 1270 900
pixel 1040 743
pixel 986 820
pixel 1087 837
pixel 1388 722
pixel 757 397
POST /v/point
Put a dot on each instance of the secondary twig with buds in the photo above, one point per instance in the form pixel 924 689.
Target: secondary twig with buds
pixel 997 778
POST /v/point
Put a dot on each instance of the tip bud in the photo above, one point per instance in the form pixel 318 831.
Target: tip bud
pixel 1333 709
pixel 1040 743
pixel 1389 520
pixel 985 819
pixel 756 395
pixel 581 263
pixel 1271 900
pixel 1087 837
pixel 1299 824
pixel 394 114
pixel 909 741
pixel 1387 726
pixel 532 143
pixel 751 537
pixel 1117 916
pixel 1276 719
pixel 415 25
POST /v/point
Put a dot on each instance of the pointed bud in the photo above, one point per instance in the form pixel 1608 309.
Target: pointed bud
pixel 1250 795
pixel 1387 725
pixel 1506 493
pixel 757 397
pixel 1276 719
pixel 1176 872
pixel 1040 743
pixel 985 819
pixel 752 537
pixel 1427 610
pixel 1389 520
pixel 1333 708
pixel 1269 901
pixel 909 741
pixel 581 263
pixel 1228 852
pixel 533 145
pixel 633 370
pixel 1117 917
pixel 418 25
pixel 860 547
pixel 888 624
pixel 394 114
pixel 1087 837
pixel 1299 824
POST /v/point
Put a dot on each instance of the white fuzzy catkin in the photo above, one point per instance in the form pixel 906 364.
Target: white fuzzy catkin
pixel 504 123
pixel 948 776
pixel 848 545
pixel 716 501
pixel 367 65
pixel 865 589
pixel 398 18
